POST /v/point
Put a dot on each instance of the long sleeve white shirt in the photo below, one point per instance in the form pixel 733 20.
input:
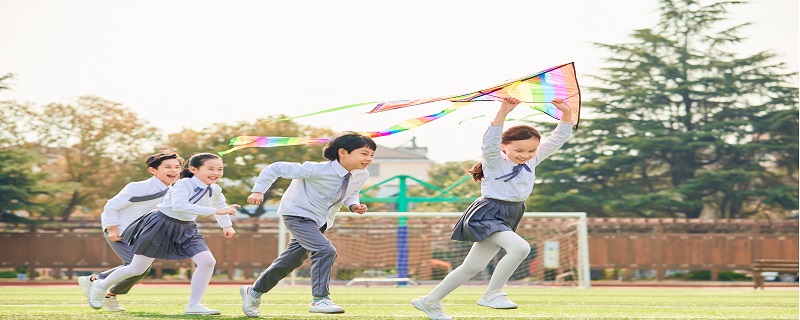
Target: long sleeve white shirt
pixel 177 203
pixel 133 201
pixel 496 164
pixel 314 190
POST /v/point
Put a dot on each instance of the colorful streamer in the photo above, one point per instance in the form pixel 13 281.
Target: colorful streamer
pixel 537 90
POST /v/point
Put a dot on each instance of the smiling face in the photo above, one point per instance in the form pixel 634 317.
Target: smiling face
pixel 521 151
pixel 168 171
pixel 209 172
pixel 357 159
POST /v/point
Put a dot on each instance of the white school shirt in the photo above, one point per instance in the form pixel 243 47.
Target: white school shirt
pixel 314 189
pixel 496 164
pixel 133 201
pixel 177 205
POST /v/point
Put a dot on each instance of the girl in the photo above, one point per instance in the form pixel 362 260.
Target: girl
pixel 170 232
pixel 506 172
pixel 135 200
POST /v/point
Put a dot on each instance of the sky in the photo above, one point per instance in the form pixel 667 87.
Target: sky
pixel 194 64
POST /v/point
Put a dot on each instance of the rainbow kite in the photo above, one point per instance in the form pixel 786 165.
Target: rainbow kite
pixel 537 90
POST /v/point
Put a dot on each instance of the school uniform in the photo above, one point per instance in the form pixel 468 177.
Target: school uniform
pixel 170 232
pixel 309 207
pixel 505 186
pixel 134 200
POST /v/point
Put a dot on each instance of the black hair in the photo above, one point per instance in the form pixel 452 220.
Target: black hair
pixel 520 132
pixel 197 160
pixel 155 160
pixel 348 141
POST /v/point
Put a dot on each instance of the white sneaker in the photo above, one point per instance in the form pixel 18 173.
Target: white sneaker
pixel 111 304
pixel 200 309
pixel 325 306
pixel 96 298
pixel 250 304
pixel 86 285
pixel 498 300
pixel 433 310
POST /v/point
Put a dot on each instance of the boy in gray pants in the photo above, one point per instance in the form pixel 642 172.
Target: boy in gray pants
pixel 308 207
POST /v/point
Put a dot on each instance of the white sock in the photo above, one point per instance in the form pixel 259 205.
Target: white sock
pixel 202 275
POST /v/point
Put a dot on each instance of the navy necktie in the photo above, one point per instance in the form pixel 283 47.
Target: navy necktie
pixel 150 196
pixel 514 172
pixel 342 189
pixel 199 192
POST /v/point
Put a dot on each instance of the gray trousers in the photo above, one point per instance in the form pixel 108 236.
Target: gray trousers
pixel 125 252
pixel 306 237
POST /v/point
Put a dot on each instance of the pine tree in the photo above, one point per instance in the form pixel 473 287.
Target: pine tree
pixel 682 127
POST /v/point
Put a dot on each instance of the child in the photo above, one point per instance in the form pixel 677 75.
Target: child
pixel 308 207
pixel 135 200
pixel 170 232
pixel 507 171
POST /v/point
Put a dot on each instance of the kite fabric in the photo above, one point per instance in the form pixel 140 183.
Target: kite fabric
pixel 537 90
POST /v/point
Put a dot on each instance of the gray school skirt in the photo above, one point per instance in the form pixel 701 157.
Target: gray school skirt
pixel 486 216
pixel 156 235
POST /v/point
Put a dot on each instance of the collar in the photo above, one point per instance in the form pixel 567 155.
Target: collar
pixel 197 182
pixel 160 185
pixel 337 167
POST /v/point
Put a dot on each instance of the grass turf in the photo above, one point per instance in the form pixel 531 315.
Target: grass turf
pixel 151 301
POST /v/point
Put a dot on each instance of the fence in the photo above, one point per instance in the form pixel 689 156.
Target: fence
pixel 630 244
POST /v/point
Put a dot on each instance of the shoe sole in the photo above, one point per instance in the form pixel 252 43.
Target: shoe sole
pixel 243 293
pixel 204 313
pixel 488 306
pixel 326 312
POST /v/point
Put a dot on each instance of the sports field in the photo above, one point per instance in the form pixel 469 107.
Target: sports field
pixel 151 301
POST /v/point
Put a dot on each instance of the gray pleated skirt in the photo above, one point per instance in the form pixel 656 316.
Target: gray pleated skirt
pixel 486 216
pixel 156 235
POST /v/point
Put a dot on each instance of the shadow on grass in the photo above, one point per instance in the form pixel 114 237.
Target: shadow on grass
pixel 150 315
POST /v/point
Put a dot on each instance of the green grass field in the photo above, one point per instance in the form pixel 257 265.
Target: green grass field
pixel 150 301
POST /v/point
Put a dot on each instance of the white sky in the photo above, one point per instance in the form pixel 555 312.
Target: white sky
pixel 195 63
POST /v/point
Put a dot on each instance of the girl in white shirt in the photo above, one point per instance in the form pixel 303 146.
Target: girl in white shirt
pixel 506 172
pixel 170 233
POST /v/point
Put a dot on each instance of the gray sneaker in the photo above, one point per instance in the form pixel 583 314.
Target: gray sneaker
pixel 250 304
pixel 325 306
pixel 433 310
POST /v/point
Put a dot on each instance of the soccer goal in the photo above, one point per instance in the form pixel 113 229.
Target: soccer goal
pixel 415 247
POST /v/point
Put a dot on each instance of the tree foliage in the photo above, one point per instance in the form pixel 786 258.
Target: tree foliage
pixel 95 147
pixel 682 127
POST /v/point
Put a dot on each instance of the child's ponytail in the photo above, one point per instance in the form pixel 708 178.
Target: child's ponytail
pixel 476 171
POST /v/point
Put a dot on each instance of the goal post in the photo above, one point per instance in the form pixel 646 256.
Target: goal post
pixel 368 247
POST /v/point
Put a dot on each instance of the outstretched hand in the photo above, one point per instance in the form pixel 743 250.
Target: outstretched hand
pixel 509 103
pixel 565 108
pixel 230 210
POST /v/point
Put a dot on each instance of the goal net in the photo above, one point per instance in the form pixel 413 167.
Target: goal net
pixel 416 247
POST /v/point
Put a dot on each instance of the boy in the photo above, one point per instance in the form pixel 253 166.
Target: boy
pixel 308 207
pixel 133 201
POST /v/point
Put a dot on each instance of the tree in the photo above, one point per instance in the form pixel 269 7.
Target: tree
pixel 683 128
pixel 243 166
pixel 94 148
pixel 19 182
